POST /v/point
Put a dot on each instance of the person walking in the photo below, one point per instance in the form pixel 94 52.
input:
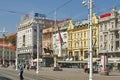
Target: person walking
pixel 21 72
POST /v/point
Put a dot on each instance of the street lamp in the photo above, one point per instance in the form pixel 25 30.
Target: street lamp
pixel 38 45
pixel 90 2
pixel 55 52
pixel 16 59
pixel 40 25
pixel 9 54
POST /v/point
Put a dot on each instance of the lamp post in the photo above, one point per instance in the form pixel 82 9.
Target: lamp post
pixel 39 40
pixel 38 49
pixel 55 54
pixel 90 4
pixel 3 49
pixel 16 59
pixel 40 18
pixel 9 54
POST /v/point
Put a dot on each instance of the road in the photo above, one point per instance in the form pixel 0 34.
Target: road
pixel 49 74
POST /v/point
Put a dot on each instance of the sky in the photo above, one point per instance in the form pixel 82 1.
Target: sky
pixel 11 11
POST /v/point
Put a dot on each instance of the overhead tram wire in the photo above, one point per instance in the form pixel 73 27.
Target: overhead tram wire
pixel 107 9
pixel 59 7
pixel 63 5
pixel 11 11
pixel 102 11
pixel 97 12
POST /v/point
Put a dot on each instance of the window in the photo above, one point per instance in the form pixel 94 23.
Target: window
pixel 35 30
pixel 101 27
pixel 111 48
pixel 101 47
pixel 116 34
pixel 77 44
pixel 105 27
pixel 64 35
pixel 105 37
pixel 112 36
pixel 74 44
pixel 112 23
pixel 81 44
pixel 85 34
pixel 101 38
pixel 81 35
pixel 78 36
pixel 117 45
pixel 75 36
pixel 105 46
pixel 23 40
pixel 85 43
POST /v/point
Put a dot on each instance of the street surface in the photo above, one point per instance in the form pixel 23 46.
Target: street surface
pixel 49 74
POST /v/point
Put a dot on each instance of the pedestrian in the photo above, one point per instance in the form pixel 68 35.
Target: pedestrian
pixel 28 66
pixel 85 68
pixel 21 72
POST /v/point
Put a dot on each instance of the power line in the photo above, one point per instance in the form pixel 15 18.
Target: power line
pixel 59 7
pixel 11 11
pixel 102 11
pixel 63 5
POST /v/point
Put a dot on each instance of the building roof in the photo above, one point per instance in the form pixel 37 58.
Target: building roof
pixel 7 45
pixel 12 34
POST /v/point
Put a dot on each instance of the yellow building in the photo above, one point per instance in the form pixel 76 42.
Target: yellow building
pixel 78 39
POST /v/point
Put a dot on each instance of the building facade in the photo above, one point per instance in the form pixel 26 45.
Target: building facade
pixel 47 42
pixel 60 38
pixel 109 33
pixel 78 39
pixel 7 53
pixel 27 38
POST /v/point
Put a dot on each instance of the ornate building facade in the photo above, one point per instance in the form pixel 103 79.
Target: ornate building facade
pixel 78 39
pixel 109 33
pixel 60 38
pixel 27 39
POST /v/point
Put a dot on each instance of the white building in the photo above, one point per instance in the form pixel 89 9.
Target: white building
pixel 27 36
pixel 109 33
pixel 61 51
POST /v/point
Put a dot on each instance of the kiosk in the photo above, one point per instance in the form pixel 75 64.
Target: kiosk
pixel 104 63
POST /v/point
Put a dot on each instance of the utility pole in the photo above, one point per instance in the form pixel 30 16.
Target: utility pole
pixel 38 47
pixel 55 54
pixel 91 56
pixel 90 4
pixel 9 54
pixel 3 33
pixel 16 59
pixel 40 25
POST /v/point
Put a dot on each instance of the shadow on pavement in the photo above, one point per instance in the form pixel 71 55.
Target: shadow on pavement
pixel 114 75
pixel 4 78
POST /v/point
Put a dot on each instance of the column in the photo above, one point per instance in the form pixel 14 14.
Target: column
pixel 119 39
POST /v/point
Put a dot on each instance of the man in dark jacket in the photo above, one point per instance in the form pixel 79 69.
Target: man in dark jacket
pixel 21 72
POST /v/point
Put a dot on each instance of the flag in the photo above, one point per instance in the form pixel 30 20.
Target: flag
pixel 60 37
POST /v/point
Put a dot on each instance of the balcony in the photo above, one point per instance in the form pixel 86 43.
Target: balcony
pixel 114 29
